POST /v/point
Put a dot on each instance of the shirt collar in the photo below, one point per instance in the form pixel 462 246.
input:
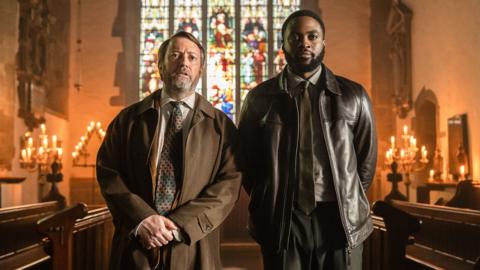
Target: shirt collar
pixel 188 101
pixel 293 80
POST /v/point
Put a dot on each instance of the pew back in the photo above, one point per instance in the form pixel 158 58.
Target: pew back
pixel 449 237
pixel 20 243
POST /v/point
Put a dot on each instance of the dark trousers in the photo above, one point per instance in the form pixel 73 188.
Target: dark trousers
pixel 317 241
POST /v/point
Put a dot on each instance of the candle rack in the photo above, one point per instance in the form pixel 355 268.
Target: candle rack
pixel 80 155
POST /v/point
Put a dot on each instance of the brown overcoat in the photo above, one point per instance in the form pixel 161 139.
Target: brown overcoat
pixel 210 186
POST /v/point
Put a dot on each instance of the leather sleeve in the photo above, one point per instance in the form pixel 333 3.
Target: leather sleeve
pixel 249 149
pixel 365 141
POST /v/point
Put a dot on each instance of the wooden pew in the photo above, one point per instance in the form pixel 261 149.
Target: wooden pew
pixel 80 239
pixel 92 238
pixel 449 237
pixel 21 245
pixel 393 231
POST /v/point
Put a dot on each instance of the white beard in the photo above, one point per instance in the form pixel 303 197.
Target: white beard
pixel 182 84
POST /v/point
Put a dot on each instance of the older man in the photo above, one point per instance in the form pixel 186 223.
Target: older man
pixel 310 149
pixel 167 170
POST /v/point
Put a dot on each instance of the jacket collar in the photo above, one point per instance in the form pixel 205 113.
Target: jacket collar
pixel 201 103
pixel 148 102
pixel 330 82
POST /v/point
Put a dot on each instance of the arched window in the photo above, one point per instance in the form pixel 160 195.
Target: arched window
pixel 242 39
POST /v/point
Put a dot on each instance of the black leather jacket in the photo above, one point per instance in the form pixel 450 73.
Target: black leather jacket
pixel 269 140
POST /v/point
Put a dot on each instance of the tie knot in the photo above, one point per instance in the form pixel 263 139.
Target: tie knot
pixel 301 87
pixel 176 107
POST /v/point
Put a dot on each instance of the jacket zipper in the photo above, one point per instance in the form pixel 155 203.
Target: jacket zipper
pixel 348 254
pixel 342 217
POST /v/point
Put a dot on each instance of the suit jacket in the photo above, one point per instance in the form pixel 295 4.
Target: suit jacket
pixel 210 183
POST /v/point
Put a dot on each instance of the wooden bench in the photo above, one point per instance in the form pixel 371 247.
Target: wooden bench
pixel 449 237
pixel 393 231
pixel 80 239
pixel 43 236
pixel 21 246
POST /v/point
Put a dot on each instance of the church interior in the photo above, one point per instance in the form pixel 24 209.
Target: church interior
pixel 68 67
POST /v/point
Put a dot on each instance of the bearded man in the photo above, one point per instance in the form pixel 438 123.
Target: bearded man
pixel 167 170
pixel 309 151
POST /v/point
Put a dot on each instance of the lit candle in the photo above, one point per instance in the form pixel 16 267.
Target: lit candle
pixel 24 155
pixel 43 128
pixel 30 142
pixel 59 153
pixel 405 130
pixel 392 142
pixel 54 141
pixel 462 172
pixel 432 173
pixel 92 123
pixel 45 142
pixel 99 124
pixel 41 150
pixel 423 152
pixel 89 129
pixel 402 154
pixel 74 155
pixel 29 154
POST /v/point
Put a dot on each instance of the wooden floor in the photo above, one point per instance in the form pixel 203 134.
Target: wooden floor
pixel 241 256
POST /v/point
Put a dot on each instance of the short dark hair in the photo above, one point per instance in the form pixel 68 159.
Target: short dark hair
pixel 300 13
pixel 163 48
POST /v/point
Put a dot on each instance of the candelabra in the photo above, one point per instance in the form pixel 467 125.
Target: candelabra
pixel 405 156
pixel 41 155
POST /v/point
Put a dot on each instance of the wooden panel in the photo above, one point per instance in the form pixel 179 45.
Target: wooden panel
pixel 92 240
pixel 86 190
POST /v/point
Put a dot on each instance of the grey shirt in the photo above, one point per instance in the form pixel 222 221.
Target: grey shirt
pixel 324 190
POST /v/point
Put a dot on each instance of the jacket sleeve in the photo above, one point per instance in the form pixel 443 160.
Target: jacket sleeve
pixel 202 215
pixel 365 141
pixel 123 204
pixel 249 150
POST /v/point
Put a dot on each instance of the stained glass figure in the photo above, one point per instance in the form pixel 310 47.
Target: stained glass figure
pixel 221 56
pixel 253 47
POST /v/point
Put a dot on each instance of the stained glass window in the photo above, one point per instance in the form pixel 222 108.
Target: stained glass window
pixel 253 49
pixel 242 40
pixel 153 31
pixel 221 56
pixel 281 10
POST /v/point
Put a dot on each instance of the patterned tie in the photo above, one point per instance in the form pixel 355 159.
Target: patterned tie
pixel 170 166
pixel 306 186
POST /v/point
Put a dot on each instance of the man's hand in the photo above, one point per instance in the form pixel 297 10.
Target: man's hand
pixel 155 231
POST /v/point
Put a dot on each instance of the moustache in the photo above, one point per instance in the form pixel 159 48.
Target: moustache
pixel 304 51
pixel 182 71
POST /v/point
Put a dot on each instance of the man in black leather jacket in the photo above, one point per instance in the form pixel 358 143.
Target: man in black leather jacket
pixel 309 155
